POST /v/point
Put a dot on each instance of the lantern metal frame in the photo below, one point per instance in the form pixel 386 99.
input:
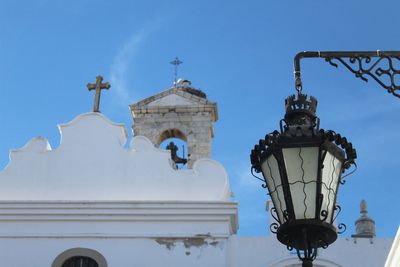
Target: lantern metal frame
pixel 300 129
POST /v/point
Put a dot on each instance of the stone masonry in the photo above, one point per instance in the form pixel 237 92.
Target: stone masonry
pixel 180 112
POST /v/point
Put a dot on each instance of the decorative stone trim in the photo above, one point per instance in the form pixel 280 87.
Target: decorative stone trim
pixel 116 219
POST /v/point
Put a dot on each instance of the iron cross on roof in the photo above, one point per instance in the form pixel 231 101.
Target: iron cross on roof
pixel 176 62
pixel 98 86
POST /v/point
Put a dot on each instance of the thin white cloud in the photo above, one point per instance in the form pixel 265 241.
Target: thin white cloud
pixel 122 66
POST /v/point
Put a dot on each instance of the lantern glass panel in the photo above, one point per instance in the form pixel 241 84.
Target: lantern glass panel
pixel 302 169
pixel 270 170
pixel 330 179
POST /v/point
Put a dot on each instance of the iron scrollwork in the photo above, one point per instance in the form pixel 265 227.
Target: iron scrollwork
pixel 337 211
pixel 274 214
pixel 341 228
pixel 323 215
pixel 274 228
pixel 362 67
pixel 382 66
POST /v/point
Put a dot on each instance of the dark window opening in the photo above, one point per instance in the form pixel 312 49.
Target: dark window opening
pixel 80 261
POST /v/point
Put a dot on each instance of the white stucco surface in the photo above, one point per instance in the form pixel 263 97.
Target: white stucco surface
pixel 235 251
pixel 133 252
pixel 266 251
pixel 91 163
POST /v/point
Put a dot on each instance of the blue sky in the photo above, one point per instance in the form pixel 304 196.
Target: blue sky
pixel 239 52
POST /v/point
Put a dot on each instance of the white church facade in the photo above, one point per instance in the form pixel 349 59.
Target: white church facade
pixel 97 202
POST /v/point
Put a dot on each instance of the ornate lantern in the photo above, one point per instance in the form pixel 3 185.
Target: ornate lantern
pixel 302 167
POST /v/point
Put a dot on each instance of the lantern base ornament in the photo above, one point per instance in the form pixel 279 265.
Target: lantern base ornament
pixel 301 234
pixel 306 236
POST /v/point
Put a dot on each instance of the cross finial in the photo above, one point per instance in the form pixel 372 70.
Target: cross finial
pixel 98 86
pixel 176 62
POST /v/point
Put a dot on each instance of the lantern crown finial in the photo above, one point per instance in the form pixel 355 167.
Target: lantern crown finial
pixel 300 110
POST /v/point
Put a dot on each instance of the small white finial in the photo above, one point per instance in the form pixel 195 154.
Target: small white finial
pixel 363 207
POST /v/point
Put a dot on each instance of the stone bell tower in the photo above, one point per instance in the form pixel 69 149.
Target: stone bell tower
pixel 180 112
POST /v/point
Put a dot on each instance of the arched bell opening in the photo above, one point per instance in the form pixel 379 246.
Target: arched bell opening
pixel 175 141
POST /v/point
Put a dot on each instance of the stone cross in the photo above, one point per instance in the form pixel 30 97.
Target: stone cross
pixel 98 86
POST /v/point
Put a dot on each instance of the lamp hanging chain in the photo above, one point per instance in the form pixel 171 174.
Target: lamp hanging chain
pixel 298 83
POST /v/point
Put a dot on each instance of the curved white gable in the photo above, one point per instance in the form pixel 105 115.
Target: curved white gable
pixel 91 163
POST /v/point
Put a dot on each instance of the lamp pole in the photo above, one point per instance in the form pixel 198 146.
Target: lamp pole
pixel 303 165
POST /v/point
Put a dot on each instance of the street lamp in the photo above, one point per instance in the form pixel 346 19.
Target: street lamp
pixel 303 165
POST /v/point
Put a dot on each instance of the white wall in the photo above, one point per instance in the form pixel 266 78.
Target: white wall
pixel 204 252
pixel 118 252
pixel 345 252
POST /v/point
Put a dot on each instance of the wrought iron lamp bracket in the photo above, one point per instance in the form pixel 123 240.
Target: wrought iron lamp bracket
pixel 382 66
